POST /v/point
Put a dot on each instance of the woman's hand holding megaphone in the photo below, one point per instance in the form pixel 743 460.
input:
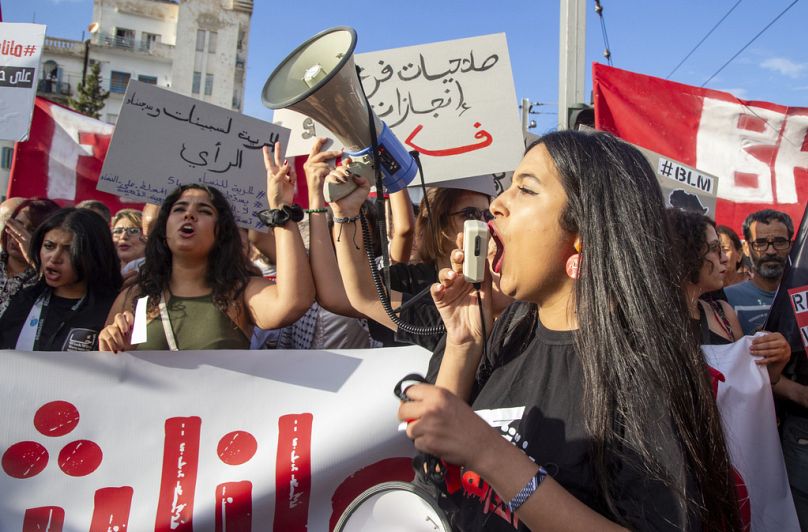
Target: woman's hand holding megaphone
pixel 350 205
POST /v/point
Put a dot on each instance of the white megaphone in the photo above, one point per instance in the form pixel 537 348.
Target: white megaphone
pixel 319 80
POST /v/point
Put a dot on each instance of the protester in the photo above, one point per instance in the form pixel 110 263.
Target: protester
pixel 599 380
pixel 17 269
pixel 703 265
pixel 733 249
pixel 79 278
pixel 127 234
pixel 196 270
pixel 768 235
pixel 7 208
pixel 97 207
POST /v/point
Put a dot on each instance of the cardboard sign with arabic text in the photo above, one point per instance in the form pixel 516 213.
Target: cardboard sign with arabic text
pixel 454 102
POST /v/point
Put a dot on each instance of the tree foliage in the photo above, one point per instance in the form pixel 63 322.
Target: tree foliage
pixel 90 97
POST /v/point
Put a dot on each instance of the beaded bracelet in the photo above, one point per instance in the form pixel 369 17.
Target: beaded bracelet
pixel 315 211
pixel 346 220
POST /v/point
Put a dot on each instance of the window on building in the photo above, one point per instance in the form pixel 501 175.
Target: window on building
pixel 196 83
pixel 200 40
pixel 5 157
pixel 208 84
pixel 118 81
pixel 148 40
pixel 240 41
pixel 125 38
pixel 212 35
pixel 151 80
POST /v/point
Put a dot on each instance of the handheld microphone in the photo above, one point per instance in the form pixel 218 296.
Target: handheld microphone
pixel 475 250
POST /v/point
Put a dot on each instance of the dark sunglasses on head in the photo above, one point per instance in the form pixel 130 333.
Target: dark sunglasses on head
pixel 473 213
pixel 779 244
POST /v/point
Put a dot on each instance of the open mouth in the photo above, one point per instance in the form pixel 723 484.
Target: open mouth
pixel 52 274
pixel 496 264
pixel 187 229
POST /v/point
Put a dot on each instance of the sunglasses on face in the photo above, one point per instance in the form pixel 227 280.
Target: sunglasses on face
pixel 473 213
pixel 762 244
pixel 131 231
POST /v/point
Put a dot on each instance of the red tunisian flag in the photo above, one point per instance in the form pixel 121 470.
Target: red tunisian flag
pixel 759 150
pixel 62 158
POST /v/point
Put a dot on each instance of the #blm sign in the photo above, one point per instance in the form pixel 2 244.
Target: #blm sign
pixel 453 101
pixel 20 49
pixel 163 140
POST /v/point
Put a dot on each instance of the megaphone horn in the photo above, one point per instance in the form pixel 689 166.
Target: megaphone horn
pixel 319 80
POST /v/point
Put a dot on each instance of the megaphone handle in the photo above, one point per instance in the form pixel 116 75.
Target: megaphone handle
pixel 337 191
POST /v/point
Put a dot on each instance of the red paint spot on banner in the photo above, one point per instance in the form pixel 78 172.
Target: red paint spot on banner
pixel 56 418
pixel 175 507
pixel 25 459
pixel 43 519
pixel 293 473
pixel 111 509
pixel 236 447
pixel 234 507
pixel 80 458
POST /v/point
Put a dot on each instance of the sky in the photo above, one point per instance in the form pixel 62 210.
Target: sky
pixel 646 36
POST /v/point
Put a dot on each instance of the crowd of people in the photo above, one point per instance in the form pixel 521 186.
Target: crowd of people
pixel 586 329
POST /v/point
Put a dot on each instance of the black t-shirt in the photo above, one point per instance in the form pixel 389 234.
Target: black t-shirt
pixel 531 391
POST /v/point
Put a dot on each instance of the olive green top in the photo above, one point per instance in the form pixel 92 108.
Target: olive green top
pixel 197 324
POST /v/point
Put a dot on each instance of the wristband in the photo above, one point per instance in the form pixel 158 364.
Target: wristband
pixel 530 488
pixel 315 211
pixel 346 220
pixel 279 217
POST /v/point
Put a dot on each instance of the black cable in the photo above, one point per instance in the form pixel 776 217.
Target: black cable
pixel 607 53
pixel 482 322
pixel 745 46
pixel 704 39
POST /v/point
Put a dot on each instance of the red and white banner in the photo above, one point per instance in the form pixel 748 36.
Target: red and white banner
pixel 62 158
pixel 744 398
pixel 759 150
pixel 197 440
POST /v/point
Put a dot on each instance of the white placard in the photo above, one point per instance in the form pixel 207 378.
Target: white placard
pixel 163 140
pixel 281 439
pixel 20 50
pixel 453 101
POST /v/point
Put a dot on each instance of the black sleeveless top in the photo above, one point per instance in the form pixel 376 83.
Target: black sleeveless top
pixel 707 336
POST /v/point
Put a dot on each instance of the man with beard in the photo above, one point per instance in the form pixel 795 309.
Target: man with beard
pixel 768 236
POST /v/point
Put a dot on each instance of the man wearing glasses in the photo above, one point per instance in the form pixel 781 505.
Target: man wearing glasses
pixel 768 236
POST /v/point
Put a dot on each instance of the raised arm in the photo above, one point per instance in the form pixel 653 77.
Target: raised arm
pixel 322 257
pixel 273 306
pixel 403 222
pixel 353 263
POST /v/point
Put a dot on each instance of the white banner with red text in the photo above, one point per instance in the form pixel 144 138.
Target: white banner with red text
pixel 197 440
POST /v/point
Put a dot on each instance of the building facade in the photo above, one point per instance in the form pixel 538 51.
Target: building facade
pixel 197 48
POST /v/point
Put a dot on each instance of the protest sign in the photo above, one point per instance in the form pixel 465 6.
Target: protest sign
pixel 163 140
pixel 20 49
pixel 682 187
pixel 744 398
pixel 198 440
pixel 758 149
pixel 454 102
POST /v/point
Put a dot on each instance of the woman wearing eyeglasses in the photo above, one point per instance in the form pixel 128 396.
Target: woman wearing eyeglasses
pixel 702 268
pixel 128 238
pixel 436 230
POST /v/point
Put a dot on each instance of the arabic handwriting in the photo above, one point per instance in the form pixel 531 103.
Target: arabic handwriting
pixel 482 134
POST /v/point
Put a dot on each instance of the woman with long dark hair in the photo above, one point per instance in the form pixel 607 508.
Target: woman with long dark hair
pixel 16 267
pixel 593 406
pixel 703 265
pixel 199 284
pixel 79 278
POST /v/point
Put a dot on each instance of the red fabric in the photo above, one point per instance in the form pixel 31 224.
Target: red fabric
pixel 35 166
pixel 765 144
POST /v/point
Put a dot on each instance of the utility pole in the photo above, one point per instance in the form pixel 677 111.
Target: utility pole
pixel 571 57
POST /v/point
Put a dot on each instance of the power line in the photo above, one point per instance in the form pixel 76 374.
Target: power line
pixel 607 53
pixel 703 39
pixel 783 12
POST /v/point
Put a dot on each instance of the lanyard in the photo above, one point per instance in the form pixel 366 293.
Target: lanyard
pixel 32 328
pixel 172 342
